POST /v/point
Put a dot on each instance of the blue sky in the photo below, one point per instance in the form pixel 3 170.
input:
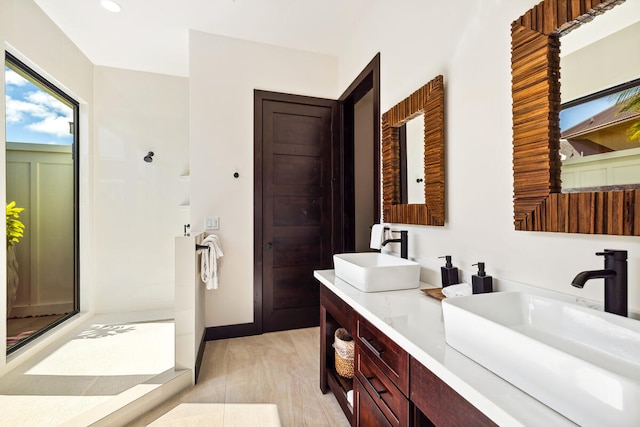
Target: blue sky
pixel 33 115
pixel 572 116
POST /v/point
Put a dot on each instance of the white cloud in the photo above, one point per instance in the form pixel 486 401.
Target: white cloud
pixel 49 103
pixel 13 78
pixel 55 125
pixel 40 112
pixel 18 111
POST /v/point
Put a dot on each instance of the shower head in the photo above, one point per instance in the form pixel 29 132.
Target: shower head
pixel 149 157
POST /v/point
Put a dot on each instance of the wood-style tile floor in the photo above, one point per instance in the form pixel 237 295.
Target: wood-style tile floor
pixel 278 367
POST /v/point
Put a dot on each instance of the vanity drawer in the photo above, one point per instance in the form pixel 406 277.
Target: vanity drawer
pixel 381 390
pixel 392 360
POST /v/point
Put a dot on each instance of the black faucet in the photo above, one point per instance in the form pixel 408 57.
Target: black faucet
pixel 403 240
pixel 615 280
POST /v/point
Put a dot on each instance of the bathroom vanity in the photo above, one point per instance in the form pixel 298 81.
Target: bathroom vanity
pixel 405 373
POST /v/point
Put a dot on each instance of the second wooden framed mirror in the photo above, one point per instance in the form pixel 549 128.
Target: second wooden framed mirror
pixel 428 101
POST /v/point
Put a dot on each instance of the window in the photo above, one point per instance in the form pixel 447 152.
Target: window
pixel 42 183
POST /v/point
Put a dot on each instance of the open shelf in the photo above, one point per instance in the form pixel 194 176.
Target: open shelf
pixel 339 386
pixel 334 314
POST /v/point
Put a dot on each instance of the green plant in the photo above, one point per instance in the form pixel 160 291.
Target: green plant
pixel 15 227
pixel 629 100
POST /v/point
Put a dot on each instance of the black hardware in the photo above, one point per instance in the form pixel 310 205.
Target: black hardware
pixel 370 346
pixel 375 390
pixel 615 280
pixel 236 175
pixel 419 180
pixel 149 157
pixel 403 240
pixel 201 247
pixel 268 245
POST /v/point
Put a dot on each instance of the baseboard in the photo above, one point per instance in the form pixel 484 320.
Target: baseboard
pixel 213 333
pixel 203 343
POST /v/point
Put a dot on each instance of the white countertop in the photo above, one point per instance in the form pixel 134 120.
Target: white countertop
pixel 414 320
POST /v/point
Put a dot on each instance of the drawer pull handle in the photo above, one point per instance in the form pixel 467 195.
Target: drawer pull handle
pixel 376 391
pixel 375 351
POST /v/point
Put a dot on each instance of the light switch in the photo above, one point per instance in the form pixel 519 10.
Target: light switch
pixel 212 223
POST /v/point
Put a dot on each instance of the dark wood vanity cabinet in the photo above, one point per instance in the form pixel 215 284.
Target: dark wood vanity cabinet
pixel 390 388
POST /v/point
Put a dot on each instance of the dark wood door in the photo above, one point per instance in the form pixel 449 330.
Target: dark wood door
pixel 296 174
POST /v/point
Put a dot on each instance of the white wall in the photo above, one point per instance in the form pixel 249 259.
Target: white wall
pixel 224 74
pixel 606 63
pixel 189 302
pixel 469 43
pixel 137 212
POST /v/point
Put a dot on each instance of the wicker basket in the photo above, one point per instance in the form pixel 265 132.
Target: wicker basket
pixel 343 345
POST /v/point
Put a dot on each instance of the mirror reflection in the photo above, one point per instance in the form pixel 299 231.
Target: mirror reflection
pixel 411 136
pixel 600 116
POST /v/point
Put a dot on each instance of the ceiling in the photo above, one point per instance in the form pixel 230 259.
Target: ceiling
pixel 156 39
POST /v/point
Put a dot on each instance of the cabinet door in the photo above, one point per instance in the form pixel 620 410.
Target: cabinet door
pixel 365 412
pixel 441 404
pixel 383 392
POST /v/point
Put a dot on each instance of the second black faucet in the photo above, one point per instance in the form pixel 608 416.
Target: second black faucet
pixel 615 280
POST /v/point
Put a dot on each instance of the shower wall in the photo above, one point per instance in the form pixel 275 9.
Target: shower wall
pixel 139 206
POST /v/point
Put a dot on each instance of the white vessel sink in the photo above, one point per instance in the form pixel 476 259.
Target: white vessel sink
pixel 583 363
pixel 375 272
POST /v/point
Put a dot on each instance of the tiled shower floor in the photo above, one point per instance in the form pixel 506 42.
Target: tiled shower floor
pixel 96 362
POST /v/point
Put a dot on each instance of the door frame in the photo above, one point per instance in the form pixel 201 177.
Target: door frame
pixel 368 79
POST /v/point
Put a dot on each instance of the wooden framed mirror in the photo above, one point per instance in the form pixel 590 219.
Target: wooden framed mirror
pixel 428 101
pixel 539 204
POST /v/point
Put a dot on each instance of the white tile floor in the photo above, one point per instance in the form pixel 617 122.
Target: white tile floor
pixel 97 362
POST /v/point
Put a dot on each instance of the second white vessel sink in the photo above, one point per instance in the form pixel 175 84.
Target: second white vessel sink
pixel 376 272
pixel 581 362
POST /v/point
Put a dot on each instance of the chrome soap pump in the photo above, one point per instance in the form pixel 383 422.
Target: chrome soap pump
pixel 480 282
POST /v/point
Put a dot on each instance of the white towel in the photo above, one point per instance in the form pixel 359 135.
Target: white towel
pixel 209 261
pixel 377 236
pixel 459 290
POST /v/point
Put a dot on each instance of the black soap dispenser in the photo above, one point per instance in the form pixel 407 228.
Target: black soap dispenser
pixel 481 283
pixel 449 273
